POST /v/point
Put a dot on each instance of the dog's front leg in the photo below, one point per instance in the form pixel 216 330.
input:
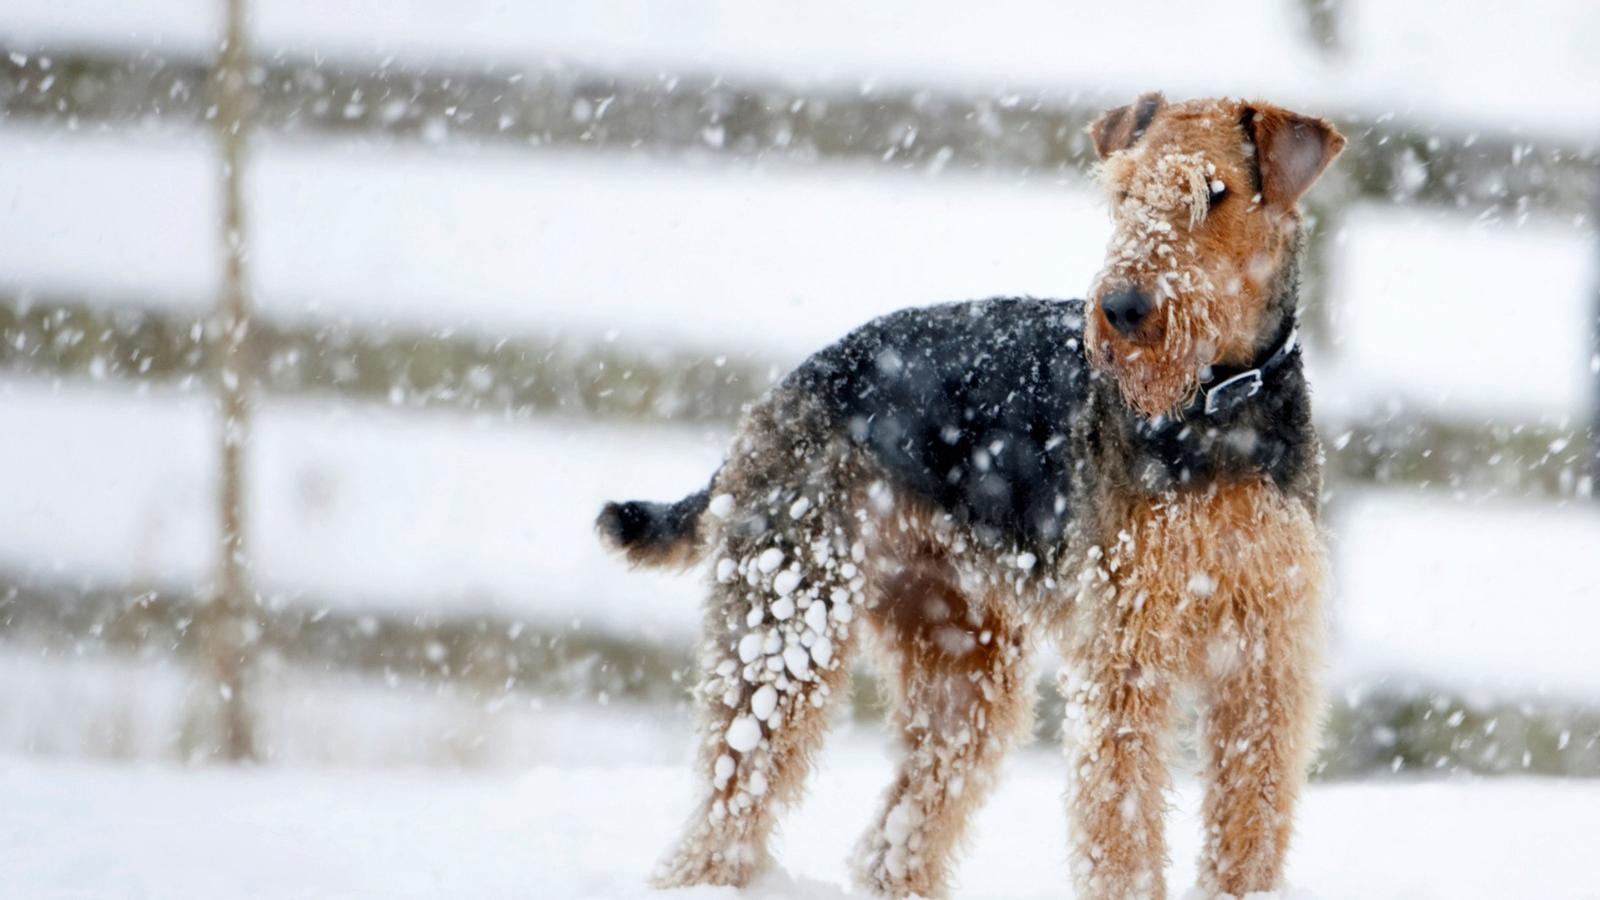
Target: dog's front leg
pixel 1118 687
pixel 1260 697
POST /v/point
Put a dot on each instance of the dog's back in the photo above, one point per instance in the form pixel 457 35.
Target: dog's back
pixel 969 405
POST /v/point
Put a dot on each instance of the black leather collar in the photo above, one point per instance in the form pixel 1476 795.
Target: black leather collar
pixel 1226 387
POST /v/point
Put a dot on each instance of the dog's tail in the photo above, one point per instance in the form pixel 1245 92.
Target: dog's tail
pixel 656 535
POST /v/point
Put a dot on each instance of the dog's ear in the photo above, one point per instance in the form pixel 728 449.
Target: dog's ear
pixel 1117 129
pixel 1291 150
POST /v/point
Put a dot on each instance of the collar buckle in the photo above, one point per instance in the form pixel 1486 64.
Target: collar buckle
pixel 1230 392
pixel 1235 389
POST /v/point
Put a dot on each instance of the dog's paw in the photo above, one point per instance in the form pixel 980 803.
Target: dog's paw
pixel 883 870
pixel 736 866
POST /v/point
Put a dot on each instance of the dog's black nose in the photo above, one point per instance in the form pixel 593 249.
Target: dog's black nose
pixel 1126 309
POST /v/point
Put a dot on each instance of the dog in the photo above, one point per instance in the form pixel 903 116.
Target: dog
pixel 1135 476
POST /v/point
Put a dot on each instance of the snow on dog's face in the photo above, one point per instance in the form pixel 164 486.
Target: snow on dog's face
pixel 1203 199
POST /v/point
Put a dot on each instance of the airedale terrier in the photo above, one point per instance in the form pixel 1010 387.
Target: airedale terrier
pixel 1136 476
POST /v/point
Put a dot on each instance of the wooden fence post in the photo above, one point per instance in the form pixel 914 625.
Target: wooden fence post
pixel 231 626
pixel 1324 219
pixel 1322 20
pixel 1594 340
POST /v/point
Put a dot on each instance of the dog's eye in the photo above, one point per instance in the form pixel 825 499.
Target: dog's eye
pixel 1218 192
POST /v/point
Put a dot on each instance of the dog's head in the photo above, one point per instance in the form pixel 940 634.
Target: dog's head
pixel 1203 198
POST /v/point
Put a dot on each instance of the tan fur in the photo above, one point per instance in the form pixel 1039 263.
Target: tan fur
pixel 725 841
pixel 955 645
pixel 1209 271
pixel 1219 587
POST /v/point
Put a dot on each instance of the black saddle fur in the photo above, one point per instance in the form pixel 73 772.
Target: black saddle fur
pixel 990 410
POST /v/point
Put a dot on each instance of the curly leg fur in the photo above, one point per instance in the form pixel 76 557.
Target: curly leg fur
pixel 1219 585
pixel 778 631
pixel 1260 715
pixel 962 695
pixel 1118 688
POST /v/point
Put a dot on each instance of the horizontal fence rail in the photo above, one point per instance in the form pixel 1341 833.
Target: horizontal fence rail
pixel 1381 726
pixel 599 379
pixel 1388 159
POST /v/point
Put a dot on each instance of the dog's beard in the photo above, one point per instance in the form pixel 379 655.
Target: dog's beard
pixel 1160 378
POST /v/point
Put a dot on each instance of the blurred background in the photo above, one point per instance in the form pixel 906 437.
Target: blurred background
pixel 326 328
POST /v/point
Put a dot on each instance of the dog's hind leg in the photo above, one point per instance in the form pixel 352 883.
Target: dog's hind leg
pixel 778 633
pixel 962 694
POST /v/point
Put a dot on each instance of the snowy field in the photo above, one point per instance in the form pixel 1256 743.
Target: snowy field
pixel 595 831
pixel 391 792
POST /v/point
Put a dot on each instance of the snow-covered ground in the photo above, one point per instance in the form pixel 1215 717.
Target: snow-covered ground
pixel 594 832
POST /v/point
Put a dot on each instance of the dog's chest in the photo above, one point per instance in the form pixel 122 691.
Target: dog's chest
pixel 1268 435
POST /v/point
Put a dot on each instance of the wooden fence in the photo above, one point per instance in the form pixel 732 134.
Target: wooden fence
pixel 1390 161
